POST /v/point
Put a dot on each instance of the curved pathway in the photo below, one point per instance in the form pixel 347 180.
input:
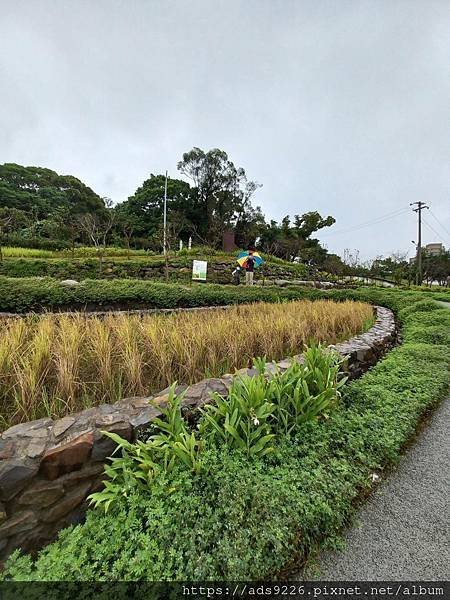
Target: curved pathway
pixel 442 303
pixel 402 532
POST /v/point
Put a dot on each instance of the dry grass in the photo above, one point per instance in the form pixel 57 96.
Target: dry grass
pixel 53 365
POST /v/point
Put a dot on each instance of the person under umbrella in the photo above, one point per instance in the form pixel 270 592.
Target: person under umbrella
pixel 249 266
pixel 249 260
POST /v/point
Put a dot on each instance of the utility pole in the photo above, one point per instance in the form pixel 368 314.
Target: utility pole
pixel 420 206
pixel 165 218
pixel 166 261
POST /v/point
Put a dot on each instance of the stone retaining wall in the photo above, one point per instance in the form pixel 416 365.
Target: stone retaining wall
pixel 48 468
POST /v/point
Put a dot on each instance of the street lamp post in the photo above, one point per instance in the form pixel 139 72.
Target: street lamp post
pixel 166 260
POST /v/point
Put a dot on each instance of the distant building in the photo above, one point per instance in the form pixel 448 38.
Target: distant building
pixel 434 249
pixel 431 249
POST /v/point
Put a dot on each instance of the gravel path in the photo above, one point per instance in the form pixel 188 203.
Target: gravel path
pixel 403 530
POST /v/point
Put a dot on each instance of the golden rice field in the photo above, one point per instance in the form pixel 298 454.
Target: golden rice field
pixel 52 365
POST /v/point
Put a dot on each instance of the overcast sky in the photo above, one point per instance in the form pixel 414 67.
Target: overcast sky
pixel 337 106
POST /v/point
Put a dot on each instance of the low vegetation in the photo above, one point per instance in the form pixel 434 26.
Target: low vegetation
pixel 138 265
pixel 39 294
pixel 77 252
pixel 19 295
pixel 121 252
pixel 55 364
pixel 243 517
pixel 249 419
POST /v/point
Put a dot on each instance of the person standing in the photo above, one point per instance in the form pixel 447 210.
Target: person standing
pixel 249 266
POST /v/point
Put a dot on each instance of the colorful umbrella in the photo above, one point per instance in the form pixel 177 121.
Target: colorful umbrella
pixel 242 257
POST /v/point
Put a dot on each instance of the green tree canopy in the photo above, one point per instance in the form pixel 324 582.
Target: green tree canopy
pixel 221 193
pixel 143 212
pixel 41 191
pixel 289 240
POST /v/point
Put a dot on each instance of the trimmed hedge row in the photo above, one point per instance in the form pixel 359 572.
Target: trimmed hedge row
pixel 37 294
pixel 241 519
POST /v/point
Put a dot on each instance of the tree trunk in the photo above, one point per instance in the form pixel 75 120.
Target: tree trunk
pixel 100 262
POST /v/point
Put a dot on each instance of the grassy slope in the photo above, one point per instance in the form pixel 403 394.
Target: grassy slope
pixel 85 265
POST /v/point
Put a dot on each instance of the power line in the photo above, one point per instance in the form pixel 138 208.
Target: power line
pixel 434 231
pixel 376 221
pixel 437 220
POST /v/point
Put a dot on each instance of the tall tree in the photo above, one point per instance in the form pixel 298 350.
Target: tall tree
pixel 96 227
pixel 221 192
pixel 437 267
pixel 290 240
pixel 145 208
pixel 11 220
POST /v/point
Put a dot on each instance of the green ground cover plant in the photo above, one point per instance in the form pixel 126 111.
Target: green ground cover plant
pixel 248 518
pixel 248 419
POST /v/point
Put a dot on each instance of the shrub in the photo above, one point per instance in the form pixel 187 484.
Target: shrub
pixel 141 463
pixel 242 419
pixel 307 390
pixel 140 264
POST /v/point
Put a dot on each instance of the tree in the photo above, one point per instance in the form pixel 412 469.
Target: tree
pixel 44 190
pixel 127 224
pixel 333 264
pixel 290 240
pixel 51 201
pixel 221 192
pixel 144 210
pixel 11 219
pixel 97 227
pixel 352 261
pixel 436 267
pixel 394 268
pixel 250 225
pixel 5 220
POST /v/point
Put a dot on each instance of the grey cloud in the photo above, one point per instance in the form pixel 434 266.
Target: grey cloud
pixel 336 106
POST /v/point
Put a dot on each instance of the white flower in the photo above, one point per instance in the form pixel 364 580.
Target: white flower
pixel 255 421
pixel 375 477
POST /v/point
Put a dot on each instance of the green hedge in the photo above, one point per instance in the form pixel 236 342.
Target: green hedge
pixel 244 519
pixel 36 294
